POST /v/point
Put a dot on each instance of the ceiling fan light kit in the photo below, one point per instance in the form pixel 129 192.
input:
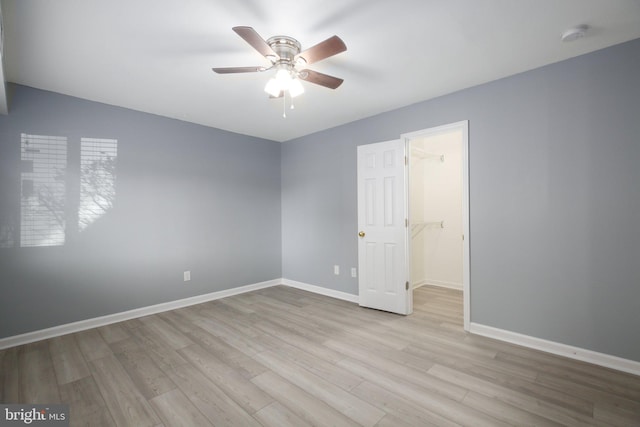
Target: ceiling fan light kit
pixel 285 55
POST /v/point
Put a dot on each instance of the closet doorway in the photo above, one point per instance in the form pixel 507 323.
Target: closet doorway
pixel 438 206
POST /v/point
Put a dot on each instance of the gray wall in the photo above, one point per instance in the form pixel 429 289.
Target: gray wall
pixel 188 198
pixel 554 199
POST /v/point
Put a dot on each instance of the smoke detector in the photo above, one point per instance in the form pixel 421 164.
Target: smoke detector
pixel 574 33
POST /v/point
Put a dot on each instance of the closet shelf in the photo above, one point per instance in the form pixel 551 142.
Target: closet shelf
pixel 424 155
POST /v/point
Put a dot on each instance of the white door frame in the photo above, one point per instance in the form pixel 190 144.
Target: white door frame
pixel 464 127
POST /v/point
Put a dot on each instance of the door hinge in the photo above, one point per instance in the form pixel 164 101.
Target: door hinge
pixel 406 160
pixel 463 237
pixel 406 285
pixel 406 222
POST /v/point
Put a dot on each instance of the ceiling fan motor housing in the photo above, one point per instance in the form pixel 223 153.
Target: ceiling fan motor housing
pixel 286 47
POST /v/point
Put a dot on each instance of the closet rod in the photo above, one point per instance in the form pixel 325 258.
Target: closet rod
pixel 423 155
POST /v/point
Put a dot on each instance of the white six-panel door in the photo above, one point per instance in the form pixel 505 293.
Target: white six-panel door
pixel 382 227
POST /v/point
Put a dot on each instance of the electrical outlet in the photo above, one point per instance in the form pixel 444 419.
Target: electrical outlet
pixel 336 270
pixel 187 275
pixel 354 272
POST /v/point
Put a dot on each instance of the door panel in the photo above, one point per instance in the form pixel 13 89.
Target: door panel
pixel 382 211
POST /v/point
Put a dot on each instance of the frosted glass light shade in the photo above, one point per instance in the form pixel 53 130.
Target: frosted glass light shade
pixel 295 88
pixel 282 82
pixel 284 78
pixel 272 88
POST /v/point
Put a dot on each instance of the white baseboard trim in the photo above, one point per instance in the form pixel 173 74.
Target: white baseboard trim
pixel 320 290
pixel 439 283
pixel 96 322
pixel 590 356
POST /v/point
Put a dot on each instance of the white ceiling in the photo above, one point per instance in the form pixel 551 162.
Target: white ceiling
pixel 156 55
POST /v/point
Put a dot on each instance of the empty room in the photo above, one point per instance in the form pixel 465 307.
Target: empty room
pixel 303 213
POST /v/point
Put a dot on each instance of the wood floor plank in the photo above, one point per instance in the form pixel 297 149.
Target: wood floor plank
pixel 92 345
pixel 423 337
pixel 37 380
pixel 156 347
pixel 168 333
pixel 181 319
pixel 282 294
pixel 86 405
pixel 555 415
pixel 358 410
pixel 605 414
pixel 132 324
pixel 220 409
pixel 314 411
pixel 149 379
pixel 586 392
pixel 245 365
pixel 299 341
pixel 114 332
pixel 235 337
pixel 177 411
pixel 430 400
pixel 241 322
pixel 126 403
pixel 373 332
pixel 245 393
pixel 390 420
pixel 320 367
pixel 511 415
pixel 237 304
pixel 68 361
pixel 380 350
pixel 221 311
pixel 606 380
pixel 457 360
pixel 526 387
pixel 400 409
pixel 9 376
pixel 400 371
pixel 294 321
pixel 277 415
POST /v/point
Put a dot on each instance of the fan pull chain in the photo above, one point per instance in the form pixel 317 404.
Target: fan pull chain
pixel 284 105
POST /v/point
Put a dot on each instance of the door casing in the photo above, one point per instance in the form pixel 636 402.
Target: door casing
pixel 463 127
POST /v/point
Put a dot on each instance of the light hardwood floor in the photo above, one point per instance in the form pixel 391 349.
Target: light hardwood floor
pixel 284 357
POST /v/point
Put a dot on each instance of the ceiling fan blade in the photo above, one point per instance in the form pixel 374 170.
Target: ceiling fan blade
pixel 320 79
pixel 253 38
pixel 230 70
pixel 323 50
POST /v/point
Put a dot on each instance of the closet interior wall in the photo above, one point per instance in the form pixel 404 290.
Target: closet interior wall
pixel 435 210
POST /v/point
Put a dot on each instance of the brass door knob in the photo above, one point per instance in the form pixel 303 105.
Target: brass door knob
pixel 361 234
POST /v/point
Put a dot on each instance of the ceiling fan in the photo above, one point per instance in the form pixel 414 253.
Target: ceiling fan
pixel 288 60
